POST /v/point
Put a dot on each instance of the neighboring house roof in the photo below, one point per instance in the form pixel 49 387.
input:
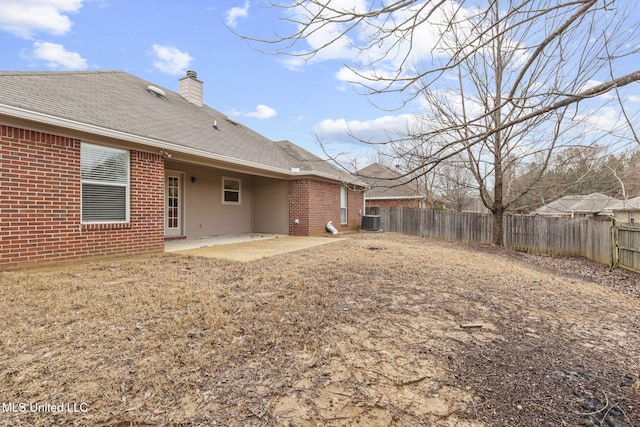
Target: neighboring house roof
pixel 625 205
pixel 577 204
pixel 119 105
pixel 385 183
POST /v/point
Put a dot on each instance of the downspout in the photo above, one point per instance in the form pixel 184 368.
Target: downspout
pixel 364 205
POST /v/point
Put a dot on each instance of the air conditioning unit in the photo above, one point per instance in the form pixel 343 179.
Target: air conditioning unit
pixel 370 223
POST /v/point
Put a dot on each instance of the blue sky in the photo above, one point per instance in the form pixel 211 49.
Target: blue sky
pixel 158 40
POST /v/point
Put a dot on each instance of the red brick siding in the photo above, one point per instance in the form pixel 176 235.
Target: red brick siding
pixel 40 203
pixel 314 203
pixel 355 206
pixel 298 207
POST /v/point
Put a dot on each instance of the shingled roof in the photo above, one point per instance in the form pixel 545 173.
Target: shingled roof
pixel 118 104
pixel 577 204
pixel 625 205
pixel 385 183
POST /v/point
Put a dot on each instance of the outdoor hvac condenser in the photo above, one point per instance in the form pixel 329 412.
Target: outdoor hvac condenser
pixel 370 223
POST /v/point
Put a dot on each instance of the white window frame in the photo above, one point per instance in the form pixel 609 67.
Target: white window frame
pixel 344 205
pixel 126 185
pixel 224 191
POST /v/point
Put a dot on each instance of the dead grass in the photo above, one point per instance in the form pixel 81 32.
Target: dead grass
pixel 366 331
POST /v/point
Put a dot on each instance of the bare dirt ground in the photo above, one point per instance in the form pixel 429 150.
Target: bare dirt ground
pixel 374 330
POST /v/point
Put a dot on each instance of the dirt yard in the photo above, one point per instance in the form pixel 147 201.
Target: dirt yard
pixel 374 330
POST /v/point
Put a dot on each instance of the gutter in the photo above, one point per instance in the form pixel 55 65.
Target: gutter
pixel 34 116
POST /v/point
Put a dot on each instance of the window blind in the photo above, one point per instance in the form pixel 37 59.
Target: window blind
pixel 104 173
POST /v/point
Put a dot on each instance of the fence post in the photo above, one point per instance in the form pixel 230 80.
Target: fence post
pixel 615 244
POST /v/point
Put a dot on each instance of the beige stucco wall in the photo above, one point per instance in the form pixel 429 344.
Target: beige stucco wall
pixel 270 205
pixel 204 213
pixel 623 216
pixel 264 206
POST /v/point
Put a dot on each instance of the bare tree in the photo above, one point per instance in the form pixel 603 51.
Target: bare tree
pixel 581 170
pixel 451 185
pixel 456 185
pixel 501 81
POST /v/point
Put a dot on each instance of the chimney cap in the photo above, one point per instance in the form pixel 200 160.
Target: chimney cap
pixel 192 74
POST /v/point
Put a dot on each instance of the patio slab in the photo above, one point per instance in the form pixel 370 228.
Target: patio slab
pixel 253 248
pixel 225 239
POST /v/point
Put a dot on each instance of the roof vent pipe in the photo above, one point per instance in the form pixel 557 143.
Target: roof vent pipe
pixel 191 88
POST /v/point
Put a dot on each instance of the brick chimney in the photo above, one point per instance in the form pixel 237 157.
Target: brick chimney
pixel 191 88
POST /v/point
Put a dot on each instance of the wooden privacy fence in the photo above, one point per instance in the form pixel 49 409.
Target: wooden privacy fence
pixel 455 226
pixel 600 240
pixel 583 237
pixel 627 244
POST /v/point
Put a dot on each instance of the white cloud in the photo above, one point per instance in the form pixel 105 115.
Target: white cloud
pixel 262 112
pixel 590 84
pixel 236 13
pixel 605 120
pixel 327 49
pixel 363 47
pixel 23 18
pixel 327 40
pixel 375 79
pixel 171 60
pixel 377 130
pixel 57 57
pixel 346 140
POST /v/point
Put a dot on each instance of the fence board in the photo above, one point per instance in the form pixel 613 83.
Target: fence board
pixel 584 237
pixel 628 247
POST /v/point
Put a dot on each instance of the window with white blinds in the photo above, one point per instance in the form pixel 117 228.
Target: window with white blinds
pixel 104 174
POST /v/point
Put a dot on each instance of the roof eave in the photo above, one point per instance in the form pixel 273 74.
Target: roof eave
pixel 34 116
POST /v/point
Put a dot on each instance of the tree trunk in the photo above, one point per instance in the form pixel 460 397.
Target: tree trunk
pixel 498 230
pixel 499 151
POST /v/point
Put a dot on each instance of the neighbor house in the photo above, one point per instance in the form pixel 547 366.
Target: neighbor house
pixel 626 211
pixel 102 162
pixel 389 189
pixel 573 206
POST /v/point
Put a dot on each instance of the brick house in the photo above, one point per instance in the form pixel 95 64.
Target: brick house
pixel 102 163
pixel 387 189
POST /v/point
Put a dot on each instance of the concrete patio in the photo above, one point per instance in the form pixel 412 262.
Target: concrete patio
pixel 207 241
pixel 245 247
